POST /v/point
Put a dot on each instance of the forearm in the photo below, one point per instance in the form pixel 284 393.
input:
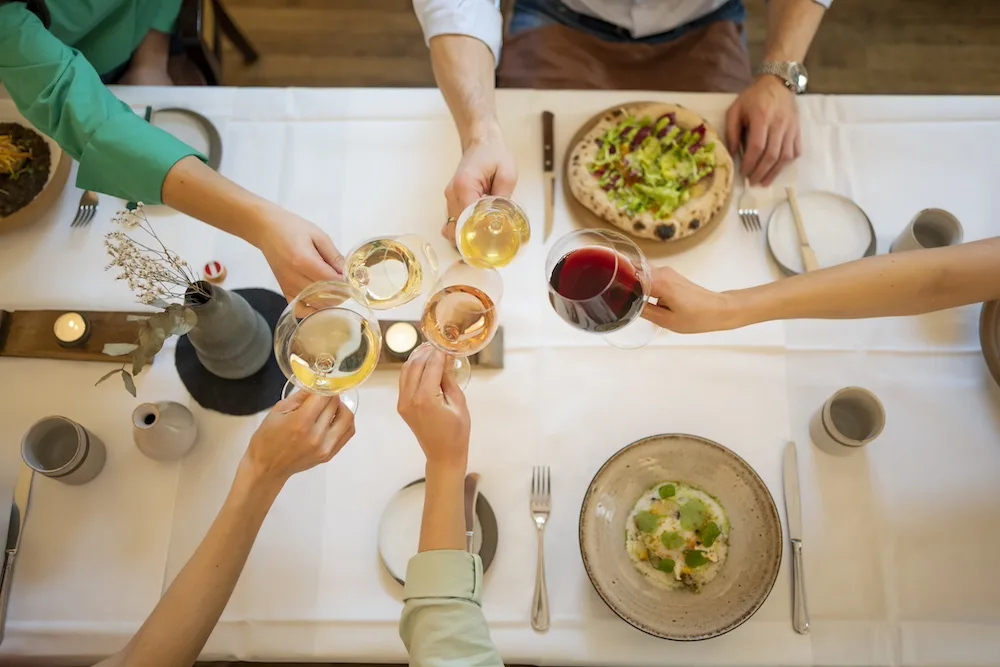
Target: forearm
pixel 791 26
pixel 197 190
pixel 463 68
pixel 443 522
pixel 907 283
pixel 182 621
pixel 153 50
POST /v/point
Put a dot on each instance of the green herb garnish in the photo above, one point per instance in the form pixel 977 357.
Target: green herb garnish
pixel 646 521
pixel 665 565
pixel 695 558
pixel 694 514
pixel 709 533
pixel 667 491
pixel 672 540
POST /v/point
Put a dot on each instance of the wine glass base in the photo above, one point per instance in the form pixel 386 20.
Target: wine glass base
pixel 349 399
pixel 637 333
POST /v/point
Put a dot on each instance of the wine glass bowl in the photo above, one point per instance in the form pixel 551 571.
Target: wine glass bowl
pixel 461 316
pixel 491 232
pixel 327 340
pixel 391 271
pixel 599 281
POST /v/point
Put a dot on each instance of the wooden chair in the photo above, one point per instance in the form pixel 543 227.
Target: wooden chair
pixel 200 20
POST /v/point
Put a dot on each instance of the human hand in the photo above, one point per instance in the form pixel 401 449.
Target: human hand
pixel 433 406
pixel 769 110
pixel 486 168
pixel 146 75
pixel 685 307
pixel 298 252
pixel 300 432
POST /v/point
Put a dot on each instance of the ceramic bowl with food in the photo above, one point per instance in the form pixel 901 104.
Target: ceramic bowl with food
pixel 32 173
pixel 680 537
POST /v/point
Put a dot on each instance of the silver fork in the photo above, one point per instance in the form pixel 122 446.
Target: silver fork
pixel 86 210
pixel 541 504
pixel 747 210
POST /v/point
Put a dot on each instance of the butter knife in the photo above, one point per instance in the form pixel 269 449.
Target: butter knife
pixel 471 494
pixel 548 171
pixel 809 262
pixel 18 512
pixel 793 510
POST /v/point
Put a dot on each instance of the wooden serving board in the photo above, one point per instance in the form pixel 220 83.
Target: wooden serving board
pixel 589 220
pixel 489 357
pixel 29 333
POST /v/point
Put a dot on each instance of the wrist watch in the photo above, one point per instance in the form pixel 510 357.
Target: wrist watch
pixel 793 74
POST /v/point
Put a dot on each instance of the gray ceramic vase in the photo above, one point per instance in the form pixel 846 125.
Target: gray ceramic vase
pixel 164 431
pixel 232 339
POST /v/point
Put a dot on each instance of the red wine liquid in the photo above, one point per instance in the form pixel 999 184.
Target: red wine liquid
pixel 605 291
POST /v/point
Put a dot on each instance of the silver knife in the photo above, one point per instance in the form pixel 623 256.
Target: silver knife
pixel 793 510
pixel 548 170
pixel 471 495
pixel 18 512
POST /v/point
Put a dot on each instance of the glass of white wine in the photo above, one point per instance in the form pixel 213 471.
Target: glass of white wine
pixel 462 315
pixel 390 271
pixel 327 341
pixel 490 232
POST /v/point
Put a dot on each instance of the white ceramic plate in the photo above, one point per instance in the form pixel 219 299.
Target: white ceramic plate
pixel 838 231
pixel 399 530
pixel 186 128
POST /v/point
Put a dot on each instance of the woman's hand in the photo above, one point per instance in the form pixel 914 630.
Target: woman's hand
pixel 433 406
pixel 685 307
pixel 299 433
pixel 298 252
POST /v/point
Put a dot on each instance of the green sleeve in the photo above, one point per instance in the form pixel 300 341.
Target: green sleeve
pixel 443 623
pixel 59 93
pixel 166 15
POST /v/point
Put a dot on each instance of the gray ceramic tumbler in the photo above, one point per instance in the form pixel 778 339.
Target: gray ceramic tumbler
pixel 931 228
pixel 847 421
pixel 60 448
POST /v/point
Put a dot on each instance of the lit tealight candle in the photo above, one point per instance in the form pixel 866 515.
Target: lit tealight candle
pixel 401 337
pixel 71 329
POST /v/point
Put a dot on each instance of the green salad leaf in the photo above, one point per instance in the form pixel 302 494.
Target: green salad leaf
pixel 709 533
pixel 695 558
pixel 694 514
pixel 666 565
pixel 667 491
pixel 646 521
pixel 672 540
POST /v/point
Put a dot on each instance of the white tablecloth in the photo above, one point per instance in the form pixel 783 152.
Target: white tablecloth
pixel 900 539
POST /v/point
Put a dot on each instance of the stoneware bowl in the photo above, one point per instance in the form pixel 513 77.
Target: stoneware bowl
pixel 755 537
pixel 989 337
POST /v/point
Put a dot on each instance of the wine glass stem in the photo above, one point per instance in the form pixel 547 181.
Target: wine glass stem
pixel 350 399
pixel 462 371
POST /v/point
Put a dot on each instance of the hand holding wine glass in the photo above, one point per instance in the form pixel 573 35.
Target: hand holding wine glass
pixel 685 307
pixel 391 271
pixel 491 232
pixel 433 406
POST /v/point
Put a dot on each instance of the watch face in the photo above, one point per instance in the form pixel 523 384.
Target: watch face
pixel 797 77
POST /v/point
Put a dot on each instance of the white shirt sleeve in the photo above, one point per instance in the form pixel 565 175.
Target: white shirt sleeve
pixel 475 18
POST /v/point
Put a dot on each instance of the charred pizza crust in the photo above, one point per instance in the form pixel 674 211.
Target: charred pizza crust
pixel 708 197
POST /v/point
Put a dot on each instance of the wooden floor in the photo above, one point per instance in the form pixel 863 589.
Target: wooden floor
pixel 863 46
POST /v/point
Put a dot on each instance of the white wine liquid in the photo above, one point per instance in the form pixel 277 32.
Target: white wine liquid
pixel 459 319
pixel 493 233
pixel 333 350
pixel 386 272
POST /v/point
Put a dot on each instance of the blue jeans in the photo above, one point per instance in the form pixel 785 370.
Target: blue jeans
pixel 532 14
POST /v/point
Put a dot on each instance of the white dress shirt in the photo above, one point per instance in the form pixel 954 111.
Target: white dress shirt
pixel 481 18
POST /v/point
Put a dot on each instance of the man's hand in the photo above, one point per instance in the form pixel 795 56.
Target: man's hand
pixel 685 307
pixel 487 168
pixel 433 406
pixel 298 252
pixel 300 432
pixel 769 112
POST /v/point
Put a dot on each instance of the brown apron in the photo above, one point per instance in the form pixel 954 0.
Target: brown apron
pixel 710 59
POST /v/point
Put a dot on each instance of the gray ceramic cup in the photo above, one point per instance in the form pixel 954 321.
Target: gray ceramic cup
pixel 930 228
pixel 847 421
pixel 60 448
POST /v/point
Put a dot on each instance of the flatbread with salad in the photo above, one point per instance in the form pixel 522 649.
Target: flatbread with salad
pixel 655 171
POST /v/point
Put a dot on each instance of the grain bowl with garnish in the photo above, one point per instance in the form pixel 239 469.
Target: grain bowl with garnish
pixel 25 164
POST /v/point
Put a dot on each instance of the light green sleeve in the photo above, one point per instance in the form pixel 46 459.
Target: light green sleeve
pixel 166 15
pixel 443 623
pixel 59 92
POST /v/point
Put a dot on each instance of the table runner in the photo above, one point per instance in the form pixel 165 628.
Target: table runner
pixel 365 162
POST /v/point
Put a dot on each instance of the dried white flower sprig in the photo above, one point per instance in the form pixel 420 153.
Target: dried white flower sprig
pixel 155 273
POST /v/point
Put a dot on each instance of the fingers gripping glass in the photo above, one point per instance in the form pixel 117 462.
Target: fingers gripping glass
pixel 391 271
pixel 461 316
pixel 327 341
pixel 599 282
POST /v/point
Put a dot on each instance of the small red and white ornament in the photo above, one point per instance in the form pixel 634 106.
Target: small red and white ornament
pixel 214 272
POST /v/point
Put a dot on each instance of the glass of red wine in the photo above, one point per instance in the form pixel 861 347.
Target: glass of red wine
pixel 599 282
